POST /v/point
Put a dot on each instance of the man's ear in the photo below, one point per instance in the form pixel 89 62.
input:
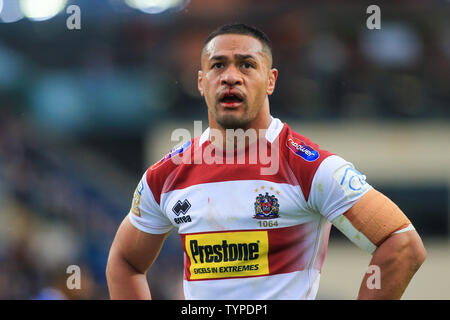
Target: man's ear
pixel 273 75
pixel 199 82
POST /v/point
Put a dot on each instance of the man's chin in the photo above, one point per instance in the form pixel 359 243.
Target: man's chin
pixel 232 121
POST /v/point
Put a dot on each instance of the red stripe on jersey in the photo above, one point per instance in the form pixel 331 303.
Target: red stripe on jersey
pixel 158 173
pixel 292 169
pixel 194 174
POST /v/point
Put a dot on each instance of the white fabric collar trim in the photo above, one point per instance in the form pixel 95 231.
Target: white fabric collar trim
pixel 272 132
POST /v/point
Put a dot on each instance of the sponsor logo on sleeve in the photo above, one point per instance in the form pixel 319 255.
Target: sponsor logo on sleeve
pixel 351 181
pixel 137 200
pixel 300 149
pixel 227 254
pixel 175 151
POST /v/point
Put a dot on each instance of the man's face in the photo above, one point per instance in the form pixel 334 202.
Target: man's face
pixel 235 79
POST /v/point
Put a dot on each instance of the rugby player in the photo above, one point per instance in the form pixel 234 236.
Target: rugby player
pixel 248 235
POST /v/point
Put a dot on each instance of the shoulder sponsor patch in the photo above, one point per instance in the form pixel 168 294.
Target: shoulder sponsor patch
pixel 351 180
pixel 301 149
pixel 137 200
pixel 175 151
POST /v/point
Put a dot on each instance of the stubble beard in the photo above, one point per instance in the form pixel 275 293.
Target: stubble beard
pixel 233 121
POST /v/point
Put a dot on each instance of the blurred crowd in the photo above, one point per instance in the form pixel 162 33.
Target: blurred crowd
pixel 50 219
pixel 126 72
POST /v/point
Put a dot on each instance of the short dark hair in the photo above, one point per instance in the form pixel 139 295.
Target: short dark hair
pixel 241 28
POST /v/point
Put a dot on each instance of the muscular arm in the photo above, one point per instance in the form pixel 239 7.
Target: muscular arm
pixel 131 254
pixel 372 224
pixel 398 257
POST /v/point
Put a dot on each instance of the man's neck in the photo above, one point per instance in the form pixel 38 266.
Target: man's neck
pixel 221 137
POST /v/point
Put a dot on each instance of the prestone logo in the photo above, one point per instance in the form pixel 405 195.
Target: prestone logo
pixel 224 252
pixel 227 254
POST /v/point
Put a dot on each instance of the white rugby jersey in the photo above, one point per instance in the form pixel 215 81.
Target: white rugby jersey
pixel 248 235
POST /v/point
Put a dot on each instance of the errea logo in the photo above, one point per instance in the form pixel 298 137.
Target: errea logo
pixel 182 207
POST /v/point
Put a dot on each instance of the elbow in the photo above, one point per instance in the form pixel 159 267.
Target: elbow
pixel 418 254
pixel 411 249
pixel 417 251
pixel 118 266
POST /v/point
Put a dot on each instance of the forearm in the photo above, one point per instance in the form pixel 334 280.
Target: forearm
pixel 125 282
pixel 398 258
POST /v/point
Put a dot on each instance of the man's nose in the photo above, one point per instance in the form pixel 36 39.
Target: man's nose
pixel 231 77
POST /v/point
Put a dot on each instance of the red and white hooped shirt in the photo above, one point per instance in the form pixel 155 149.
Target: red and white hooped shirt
pixel 248 235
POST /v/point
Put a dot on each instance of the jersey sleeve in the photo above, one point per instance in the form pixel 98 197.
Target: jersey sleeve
pixel 145 213
pixel 336 187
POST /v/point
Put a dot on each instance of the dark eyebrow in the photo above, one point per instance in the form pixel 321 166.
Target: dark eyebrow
pixel 237 56
pixel 217 58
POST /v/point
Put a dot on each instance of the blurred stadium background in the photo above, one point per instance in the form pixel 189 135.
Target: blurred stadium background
pixel 84 112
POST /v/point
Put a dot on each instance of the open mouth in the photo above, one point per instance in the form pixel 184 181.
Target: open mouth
pixel 231 99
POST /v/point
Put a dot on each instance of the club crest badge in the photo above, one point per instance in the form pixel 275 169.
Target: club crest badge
pixel 266 207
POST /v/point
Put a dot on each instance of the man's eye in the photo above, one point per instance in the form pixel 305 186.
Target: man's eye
pixel 217 65
pixel 247 65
